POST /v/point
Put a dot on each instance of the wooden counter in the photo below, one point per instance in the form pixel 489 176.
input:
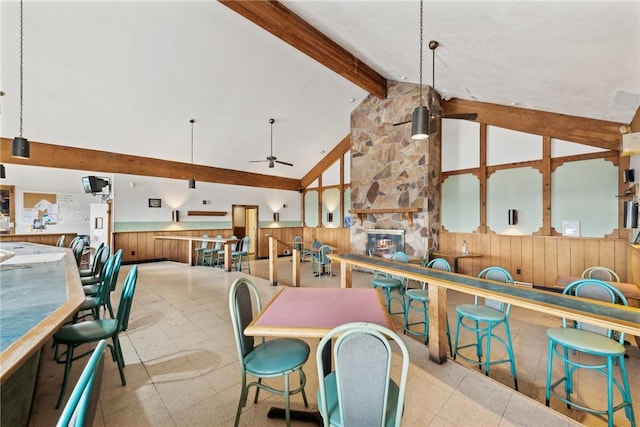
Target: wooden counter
pixel 40 289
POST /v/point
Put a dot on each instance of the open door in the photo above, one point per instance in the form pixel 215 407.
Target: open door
pixel 245 223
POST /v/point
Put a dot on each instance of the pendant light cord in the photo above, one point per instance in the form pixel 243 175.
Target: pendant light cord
pixel 420 66
pixel 21 60
pixel 192 121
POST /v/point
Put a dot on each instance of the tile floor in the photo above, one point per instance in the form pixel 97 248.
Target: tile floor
pixel 182 364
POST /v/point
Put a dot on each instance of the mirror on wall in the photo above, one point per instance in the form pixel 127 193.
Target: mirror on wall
pixel 311 208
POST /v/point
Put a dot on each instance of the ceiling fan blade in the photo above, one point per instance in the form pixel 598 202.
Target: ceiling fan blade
pixel 284 163
pixel 402 123
pixel 463 116
pixel 257 161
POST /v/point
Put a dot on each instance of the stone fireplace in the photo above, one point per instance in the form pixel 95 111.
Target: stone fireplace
pixel 384 242
pixel 395 181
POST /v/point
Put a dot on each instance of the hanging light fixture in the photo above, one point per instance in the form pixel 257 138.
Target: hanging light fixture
pixel 421 115
pixel 192 182
pixel 20 146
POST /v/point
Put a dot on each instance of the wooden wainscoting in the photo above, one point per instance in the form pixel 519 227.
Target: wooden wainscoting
pixel 541 259
pixel 40 238
pixel 633 264
pixel 339 238
pixel 283 234
pixel 138 246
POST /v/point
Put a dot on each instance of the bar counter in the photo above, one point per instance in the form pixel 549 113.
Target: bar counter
pixel 40 289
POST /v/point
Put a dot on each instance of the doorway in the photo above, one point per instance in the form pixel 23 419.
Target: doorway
pixel 245 223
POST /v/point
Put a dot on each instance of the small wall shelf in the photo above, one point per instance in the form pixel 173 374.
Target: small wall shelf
pixel 406 212
pixel 206 213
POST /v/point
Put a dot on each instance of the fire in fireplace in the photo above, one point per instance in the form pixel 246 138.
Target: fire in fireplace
pixel 384 242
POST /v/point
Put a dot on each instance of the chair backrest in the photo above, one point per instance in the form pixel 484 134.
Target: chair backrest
pixel 126 299
pixel 439 264
pixel 402 257
pixel 597 290
pixel 234 245
pixel 600 273
pixel 81 407
pixel 218 245
pixel 203 244
pixel 100 257
pixel 241 310
pixel 78 248
pixel 297 243
pixel 116 270
pixel 245 244
pixel 74 240
pixel 316 244
pixel 60 241
pixel 323 251
pixel 363 358
pixel 497 274
pixel 106 274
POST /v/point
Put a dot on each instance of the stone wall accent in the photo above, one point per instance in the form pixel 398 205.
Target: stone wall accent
pixel 391 170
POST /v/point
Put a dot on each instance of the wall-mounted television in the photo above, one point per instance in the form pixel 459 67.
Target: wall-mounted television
pixel 94 184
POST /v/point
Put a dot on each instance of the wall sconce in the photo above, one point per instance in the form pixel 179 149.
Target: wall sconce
pixel 329 216
pixel 630 214
pixel 3 172
pixel 629 175
pixel 175 216
pixel 276 217
pixel 513 216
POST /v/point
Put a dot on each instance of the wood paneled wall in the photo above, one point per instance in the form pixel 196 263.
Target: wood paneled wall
pixel 283 234
pixel 339 238
pixel 633 264
pixel 43 239
pixel 541 259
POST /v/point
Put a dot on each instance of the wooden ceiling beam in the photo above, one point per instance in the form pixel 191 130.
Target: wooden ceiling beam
pixel 63 157
pixel 596 133
pixel 290 28
pixel 333 156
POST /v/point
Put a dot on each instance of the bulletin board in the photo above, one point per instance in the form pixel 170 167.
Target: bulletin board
pixel 56 208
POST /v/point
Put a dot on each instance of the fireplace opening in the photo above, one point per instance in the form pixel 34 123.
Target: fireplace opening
pixel 384 242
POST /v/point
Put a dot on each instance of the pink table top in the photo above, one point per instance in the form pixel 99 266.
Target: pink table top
pixel 312 312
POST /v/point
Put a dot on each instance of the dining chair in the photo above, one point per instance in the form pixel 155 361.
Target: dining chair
pixel 209 254
pixel 570 344
pixel 297 245
pixel 241 253
pixel 482 320
pixel 315 244
pixel 113 282
pixel 91 275
pixel 276 358
pixel 81 407
pixel 77 247
pixel 600 273
pixel 60 241
pixel 77 334
pixel 220 254
pixel 94 302
pixel 360 391
pixel 199 251
pixel 390 283
pixel 321 263
pixel 417 300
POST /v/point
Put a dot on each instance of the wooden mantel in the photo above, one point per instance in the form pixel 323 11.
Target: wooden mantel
pixel 406 212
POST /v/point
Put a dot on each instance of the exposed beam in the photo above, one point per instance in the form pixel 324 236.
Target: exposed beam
pixel 596 133
pixel 290 28
pixel 635 122
pixel 63 157
pixel 333 156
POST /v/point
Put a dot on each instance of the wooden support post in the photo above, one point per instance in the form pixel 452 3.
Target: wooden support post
pixel 437 323
pixel 345 274
pixel 295 272
pixel 273 261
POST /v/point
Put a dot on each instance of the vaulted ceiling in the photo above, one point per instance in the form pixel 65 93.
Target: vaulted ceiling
pixel 127 77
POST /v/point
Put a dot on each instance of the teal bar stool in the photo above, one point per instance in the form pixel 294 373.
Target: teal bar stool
pixel 482 320
pixel 391 283
pixel 418 300
pixel 566 343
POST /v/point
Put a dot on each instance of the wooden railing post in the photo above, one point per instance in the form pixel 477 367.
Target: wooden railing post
pixel 273 261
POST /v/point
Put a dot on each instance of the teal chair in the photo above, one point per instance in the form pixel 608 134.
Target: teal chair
pixel 360 391
pixel 241 253
pixel 417 300
pixel 482 320
pixel 600 273
pixel 390 283
pixel 568 343
pixel 321 263
pixel 77 334
pixel 209 254
pixel 220 254
pixel 297 245
pixel 94 302
pixel 91 276
pixel 199 251
pixel 77 247
pixel 81 407
pixel 315 244
pixel 60 241
pixel 276 358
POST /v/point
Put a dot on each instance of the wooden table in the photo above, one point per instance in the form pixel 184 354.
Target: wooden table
pixel 455 256
pixel 617 317
pixel 312 313
pixel 225 241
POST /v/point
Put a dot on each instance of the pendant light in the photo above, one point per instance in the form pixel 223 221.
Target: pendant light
pixel 192 182
pixel 20 146
pixel 421 115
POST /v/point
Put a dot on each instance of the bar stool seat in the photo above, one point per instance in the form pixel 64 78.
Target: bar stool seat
pixel 390 283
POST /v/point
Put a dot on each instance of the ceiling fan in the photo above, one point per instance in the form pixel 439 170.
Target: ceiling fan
pixel 271 158
pixel 434 108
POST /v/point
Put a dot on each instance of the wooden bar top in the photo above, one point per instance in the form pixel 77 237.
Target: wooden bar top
pixel 40 289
